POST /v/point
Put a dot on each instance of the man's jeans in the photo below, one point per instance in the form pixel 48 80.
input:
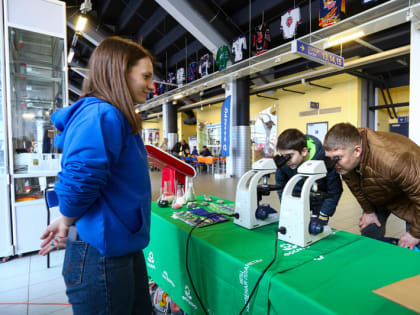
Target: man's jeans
pixel 105 285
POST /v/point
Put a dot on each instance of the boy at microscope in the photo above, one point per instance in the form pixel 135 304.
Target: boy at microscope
pixel 295 148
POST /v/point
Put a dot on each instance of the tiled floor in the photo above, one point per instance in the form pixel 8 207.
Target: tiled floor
pixel 27 279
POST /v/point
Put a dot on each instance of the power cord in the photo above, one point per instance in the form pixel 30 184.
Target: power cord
pixel 236 215
pixel 262 275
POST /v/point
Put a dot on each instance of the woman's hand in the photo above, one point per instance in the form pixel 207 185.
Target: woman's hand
pixel 55 236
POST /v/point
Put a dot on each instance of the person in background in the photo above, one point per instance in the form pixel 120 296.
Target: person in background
pixel 164 144
pixel 194 151
pixel 205 151
pixel 185 148
pixel 300 148
pixel 382 171
pixel 176 149
pixel 105 221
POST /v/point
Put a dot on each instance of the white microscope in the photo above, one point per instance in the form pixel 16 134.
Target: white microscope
pixel 295 211
pixel 249 193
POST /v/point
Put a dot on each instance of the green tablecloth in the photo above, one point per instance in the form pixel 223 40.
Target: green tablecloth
pixel 334 275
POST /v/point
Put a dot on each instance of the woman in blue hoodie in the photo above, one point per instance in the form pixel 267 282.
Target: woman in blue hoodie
pixel 104 186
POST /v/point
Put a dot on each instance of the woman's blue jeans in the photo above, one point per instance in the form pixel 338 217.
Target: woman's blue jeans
pixel 105 285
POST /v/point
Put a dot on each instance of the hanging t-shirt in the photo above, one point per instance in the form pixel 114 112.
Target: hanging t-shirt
pixel 238 47
pixel 289 22
pixel 161 88
pixel 192 71
pixel 180 76
pixel 156 90
pixel 222 58
pixel 149 96
pixel 206 63
pixel 171 78
pixel 330 12
pixel 261 39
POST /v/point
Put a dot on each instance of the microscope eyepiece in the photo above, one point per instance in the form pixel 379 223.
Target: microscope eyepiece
pixel 331 162
pixel 280 160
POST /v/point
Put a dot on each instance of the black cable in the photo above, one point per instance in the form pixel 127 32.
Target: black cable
pixel 186 255
pixel 262 275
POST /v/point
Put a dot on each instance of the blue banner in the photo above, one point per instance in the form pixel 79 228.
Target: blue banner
pixel 225 127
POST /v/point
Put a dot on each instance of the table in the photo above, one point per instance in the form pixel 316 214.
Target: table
pixel 333 276
pixel 208 160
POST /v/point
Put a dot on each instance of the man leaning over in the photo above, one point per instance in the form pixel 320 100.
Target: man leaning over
pixel 382 171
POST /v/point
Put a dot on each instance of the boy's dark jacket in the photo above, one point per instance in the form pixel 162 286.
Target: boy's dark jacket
pixel 331 184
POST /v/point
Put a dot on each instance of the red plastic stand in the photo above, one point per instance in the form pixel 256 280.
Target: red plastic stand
pixel 172 167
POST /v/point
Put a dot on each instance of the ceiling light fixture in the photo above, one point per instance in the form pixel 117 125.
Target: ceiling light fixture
pixel 81 23
pixel 337 40
pixel 70 55
pixel 178 96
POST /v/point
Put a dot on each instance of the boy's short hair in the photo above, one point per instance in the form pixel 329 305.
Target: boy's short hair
pixel 291 139
pixel 341 136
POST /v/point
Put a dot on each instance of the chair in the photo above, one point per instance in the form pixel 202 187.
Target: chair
pixel 51 201
pixel 197 165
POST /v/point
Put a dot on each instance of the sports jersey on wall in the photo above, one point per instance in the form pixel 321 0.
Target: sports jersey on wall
pixel 330 12
pixel 161 88
pixel 261 39
pixel 180 76
pixel 171 78
pixel 206 63
pixel 156 90
pixel 289 22
pixel 222 58
pixel 192 73
pixel 238 48
pixel 149 96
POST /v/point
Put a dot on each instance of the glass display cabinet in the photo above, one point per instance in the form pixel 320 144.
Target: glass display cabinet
pixel 6 246
pixel 35 73
pixel 37 89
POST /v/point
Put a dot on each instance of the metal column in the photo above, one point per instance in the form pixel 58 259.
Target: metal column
pixel 170 129
pixel 368 98
pixel 414 128
pixel 240 129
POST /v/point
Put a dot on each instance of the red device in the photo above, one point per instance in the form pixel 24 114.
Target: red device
pixel 172 167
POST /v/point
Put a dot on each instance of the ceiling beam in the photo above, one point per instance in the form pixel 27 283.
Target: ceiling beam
pixel 128 13
pixel 181 11
pixel 74 89
pixel 168 39
pixel 105 7
pixel 151 23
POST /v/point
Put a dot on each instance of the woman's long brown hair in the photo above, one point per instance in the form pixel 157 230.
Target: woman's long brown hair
pixel 108 67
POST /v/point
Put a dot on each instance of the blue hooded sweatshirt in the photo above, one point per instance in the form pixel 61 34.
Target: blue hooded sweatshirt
pixel 105 178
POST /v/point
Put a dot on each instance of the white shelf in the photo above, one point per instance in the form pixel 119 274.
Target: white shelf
pixel 43 174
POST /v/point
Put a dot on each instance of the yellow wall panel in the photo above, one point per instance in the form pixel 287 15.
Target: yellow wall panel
pixel 345 93
pixel 399 95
